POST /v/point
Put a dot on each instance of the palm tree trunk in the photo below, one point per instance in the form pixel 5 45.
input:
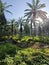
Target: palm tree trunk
pixel 31 29
pixel 12 29
pixel 34 29
pixel 34 16
pixel 2 19
pixel 20 30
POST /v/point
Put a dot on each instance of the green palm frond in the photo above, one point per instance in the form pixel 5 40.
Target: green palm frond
pixel 8 11
pixel 37 2
pixel 25 15
pixel 8 6
pixel 28 13
pixel 29 16
pixel 41 6
pixel 28 10
pixel 30 5
pixel 21 21
pixel 33 2
pixel 35 8
pixel 3 7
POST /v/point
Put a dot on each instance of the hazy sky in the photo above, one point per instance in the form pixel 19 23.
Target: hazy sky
pixel 19 6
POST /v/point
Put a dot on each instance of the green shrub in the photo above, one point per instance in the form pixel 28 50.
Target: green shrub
pixel 9 49
pixel 2 52
pixel 26 38
pixel 25 56
pixel 36 38
pixel 23 63
pixel 16 37
pixel 31 57
pixel 9 60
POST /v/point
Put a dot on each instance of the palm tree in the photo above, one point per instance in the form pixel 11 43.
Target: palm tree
pixel 3 8
pixel 12 24
pixel 27 29
pixel 34 12
pixel 21 24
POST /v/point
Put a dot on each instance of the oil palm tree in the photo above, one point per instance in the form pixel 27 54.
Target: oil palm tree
pixel 12 26
pixel 21 23
pixel 34 12
pixel 3 8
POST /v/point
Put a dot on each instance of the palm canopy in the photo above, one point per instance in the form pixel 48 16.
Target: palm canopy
pixel 33 12
pixel 35 9
pixel 3 7
pixel 22 21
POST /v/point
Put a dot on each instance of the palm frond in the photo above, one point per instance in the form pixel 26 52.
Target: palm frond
pixel 29 16
pixel 26 14
pixel 8 6
pixel 28 10
pixel 8 11
pixel 41 6
pixel 33 2
pixel 42 14
pixel 37 2
pixel 30 5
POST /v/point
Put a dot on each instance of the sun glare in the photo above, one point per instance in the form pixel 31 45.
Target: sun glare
pixel 39 20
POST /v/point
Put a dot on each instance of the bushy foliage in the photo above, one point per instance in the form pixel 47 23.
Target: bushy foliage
pixel 27 41
pixel 26 38
pixel 7 49
pixel 31 57
pixel 13 55
pixel 16 37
